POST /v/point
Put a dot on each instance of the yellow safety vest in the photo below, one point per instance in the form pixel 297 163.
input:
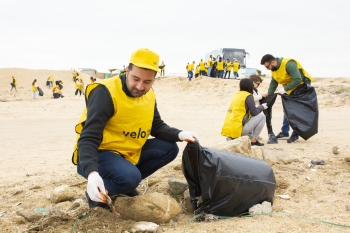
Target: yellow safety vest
pixel 34 88
pixel 228 66
pixel 282 77
pixel 128 129
pixel 14 82
pixel 209 62
pixel 233 124
pixel 220 65
pixel 201 65
pixel 197 70
pixel 235 66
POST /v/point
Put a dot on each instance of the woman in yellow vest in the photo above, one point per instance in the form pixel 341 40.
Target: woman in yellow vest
pixel 113 149
pixel 228 68
pixel 34 88
pixel 290 74
pixel 243 117
pixel 79 86
pixel 220 68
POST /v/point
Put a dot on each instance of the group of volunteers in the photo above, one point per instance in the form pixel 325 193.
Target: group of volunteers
pixel 56 90
pixel 79 83
pixel 113 150
pixel 213 68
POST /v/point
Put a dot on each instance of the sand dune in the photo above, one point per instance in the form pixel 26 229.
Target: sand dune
pixel 37 138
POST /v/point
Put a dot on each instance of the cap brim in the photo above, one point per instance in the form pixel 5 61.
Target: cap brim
pixel 146 66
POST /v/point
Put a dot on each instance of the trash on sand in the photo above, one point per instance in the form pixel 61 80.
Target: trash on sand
pixel 284 196
pixel 319 162
pixel 308 178
pixel 42 210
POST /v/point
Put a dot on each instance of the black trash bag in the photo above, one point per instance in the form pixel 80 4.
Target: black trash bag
pixel 228 183
pixel 301 110
pixel 270 101
pixel 41 93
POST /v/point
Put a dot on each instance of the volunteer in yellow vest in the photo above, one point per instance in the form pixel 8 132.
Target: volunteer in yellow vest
pixel 79 86
pixel 236 67
pixel 190 70
pixel 34 88
pixel 13 84
pixel 51 80
pixel 210 65
pixel 112 148
pixel 290 74
pixel 220 68
pixel 196 72
pixel 162 68
pixel 57 90
pixel 228 68
pixel 75 74
pixel 201 67
pixel 243 116
pixel 92 80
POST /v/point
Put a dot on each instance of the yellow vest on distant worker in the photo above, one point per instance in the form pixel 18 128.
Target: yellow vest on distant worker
pixel 233 124
pixel 228 66
pixel 128 129
pixel 282 77
pixel 209 62
pixel 201 65
pixel 220 65
pixel 34 88
pixel 235 66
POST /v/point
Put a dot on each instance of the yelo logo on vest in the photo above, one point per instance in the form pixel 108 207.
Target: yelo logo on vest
pixel 143 134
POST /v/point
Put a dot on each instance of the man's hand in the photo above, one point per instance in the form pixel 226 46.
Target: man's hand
pixel 95 186
pixel 188 136
pixel 281 91
pixel 264 105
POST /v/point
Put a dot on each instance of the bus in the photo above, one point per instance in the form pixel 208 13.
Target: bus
pixel 231 54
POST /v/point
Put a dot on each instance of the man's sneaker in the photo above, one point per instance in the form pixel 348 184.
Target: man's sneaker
pixel 293 138
pixel 282 136
pixel 93 204
pixel 257 143
pixel 272 139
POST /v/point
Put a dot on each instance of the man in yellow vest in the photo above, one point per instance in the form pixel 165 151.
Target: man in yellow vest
pixel 290 74
pixel 210 65
pixel 201 67
pixel 236 67
pixel 228 66
pixel 113 150
pixel 220 68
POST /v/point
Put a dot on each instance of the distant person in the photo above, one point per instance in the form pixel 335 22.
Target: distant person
pixel 213 68
pixel 236 67
pixel 190 70
pixel 92 80
pixel 13 84
pixel 51 80
pixel 228 68
pixel 201 67
pixel 220 68
pixel 75 74
pixel 210 65
pixel 196 72
pixel 162 68
pixel 79 86
pixel 34 88
pixel 290 74
pixel 57 90
pixel 113 148
pixel 243 117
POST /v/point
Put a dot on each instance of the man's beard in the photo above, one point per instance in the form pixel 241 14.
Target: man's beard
pixel 274 68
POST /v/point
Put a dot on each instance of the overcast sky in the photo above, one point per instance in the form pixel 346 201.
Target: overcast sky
pixel 48 34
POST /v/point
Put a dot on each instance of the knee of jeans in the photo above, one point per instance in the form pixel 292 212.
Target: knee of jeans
pixel 128 182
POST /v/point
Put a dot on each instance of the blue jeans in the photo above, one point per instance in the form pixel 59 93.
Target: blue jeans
pixel 209 70
pixel 220 74
pixel 285 127
pixel 235 74
pixel 190 74
pixel 121 176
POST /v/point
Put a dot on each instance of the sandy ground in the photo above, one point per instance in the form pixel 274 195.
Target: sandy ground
pixel 37 137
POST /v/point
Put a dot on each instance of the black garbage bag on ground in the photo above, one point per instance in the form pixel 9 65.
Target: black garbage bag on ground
pixel 228 183
pixel 41 93
pixel 301 110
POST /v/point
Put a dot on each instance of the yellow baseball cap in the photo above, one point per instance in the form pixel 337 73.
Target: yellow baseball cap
pixel 145 58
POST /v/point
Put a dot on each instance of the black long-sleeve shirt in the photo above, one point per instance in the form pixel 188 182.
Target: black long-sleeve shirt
pixel 100 109
pixel 250 106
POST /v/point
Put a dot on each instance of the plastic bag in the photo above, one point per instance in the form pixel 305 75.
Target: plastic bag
pixel 228 183
pixel 301 110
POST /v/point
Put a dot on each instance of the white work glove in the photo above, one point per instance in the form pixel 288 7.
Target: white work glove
pixel 95 186
pixel 264 105
pixel 188 136
pixel 281 91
